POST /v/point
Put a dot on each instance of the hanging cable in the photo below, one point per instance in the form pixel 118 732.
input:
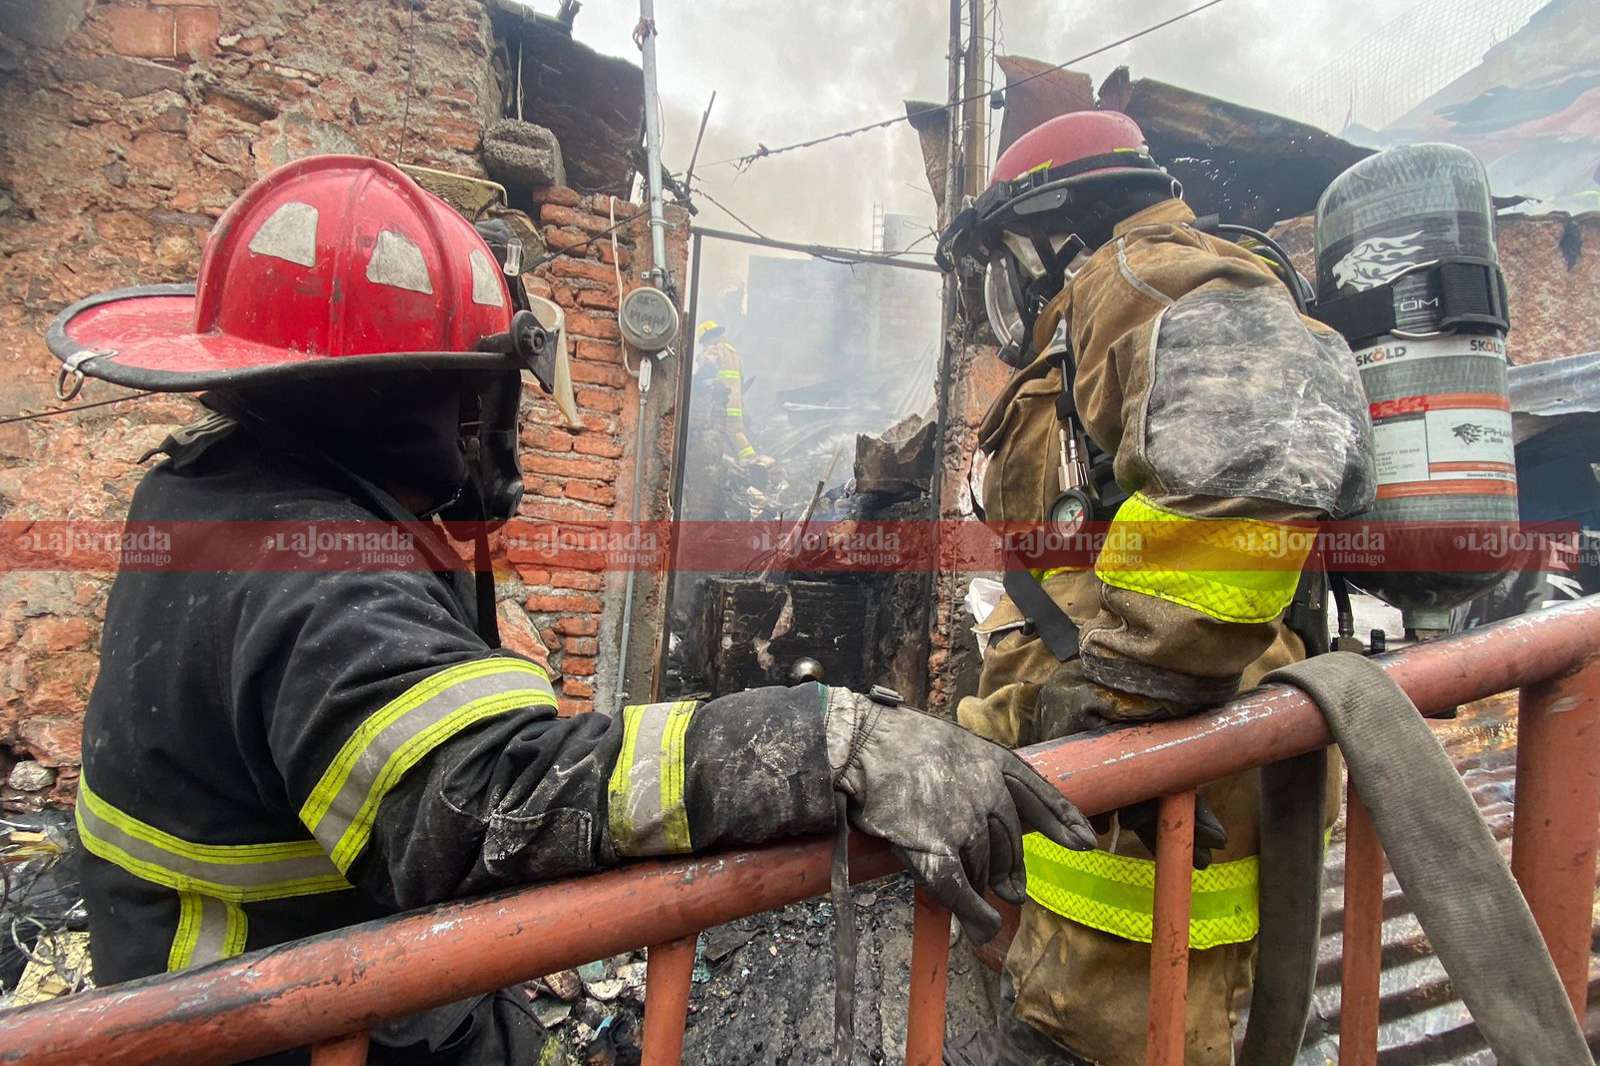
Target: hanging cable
pixel 729 212
pixel 762 151
pixel 30 416
pixel 411 80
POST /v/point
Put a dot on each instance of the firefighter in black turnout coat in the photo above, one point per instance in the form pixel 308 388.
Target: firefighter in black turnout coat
pixel 276 748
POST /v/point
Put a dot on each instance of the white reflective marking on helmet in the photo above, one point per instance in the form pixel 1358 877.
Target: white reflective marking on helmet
pixel 485 281
pixel 289 233
pixel 398 262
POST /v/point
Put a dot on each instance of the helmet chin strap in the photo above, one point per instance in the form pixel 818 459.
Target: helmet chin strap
pixel 482 561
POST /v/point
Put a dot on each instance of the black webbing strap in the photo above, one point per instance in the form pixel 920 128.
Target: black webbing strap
pixel 1471 292
pixel 1058 632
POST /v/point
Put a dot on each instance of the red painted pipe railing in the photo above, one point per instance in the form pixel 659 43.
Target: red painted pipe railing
pixel 326 991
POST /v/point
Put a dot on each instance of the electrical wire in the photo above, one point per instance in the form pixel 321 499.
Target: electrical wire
pixel 551 256
pixel 729 212
pixel 411 80
pixel 29 416
pixel 762 151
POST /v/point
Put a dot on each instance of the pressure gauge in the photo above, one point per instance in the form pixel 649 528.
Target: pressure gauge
pixel 1069 513
pixel 648 319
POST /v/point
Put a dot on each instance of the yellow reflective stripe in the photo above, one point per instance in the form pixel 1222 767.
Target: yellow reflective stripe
pixel 734 412
pixel 674 814
pixel 747 452
pixel 355 838
pixel 621 775
pixel 188 932
pixel 238 930
pixel 1045 575
pixel 333 778
pixel 1231 569
pixel 646 812
pixel 242 873
pixel 1116 893
pixel 209 929
pixel 228 854
pixel 731 375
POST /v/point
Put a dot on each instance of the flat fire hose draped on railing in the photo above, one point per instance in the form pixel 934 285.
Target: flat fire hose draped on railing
pixel 1293 803
pixel 1442 855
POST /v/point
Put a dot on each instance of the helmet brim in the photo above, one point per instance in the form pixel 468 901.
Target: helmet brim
pixel 143 338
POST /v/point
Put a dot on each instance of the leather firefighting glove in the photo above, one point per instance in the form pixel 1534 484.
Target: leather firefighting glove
pixel 951 805
pixel 1069 703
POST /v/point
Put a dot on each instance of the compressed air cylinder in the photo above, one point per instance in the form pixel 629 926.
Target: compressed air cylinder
pixel 1436 385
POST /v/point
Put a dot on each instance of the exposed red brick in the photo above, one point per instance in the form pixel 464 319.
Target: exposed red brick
pixel 560 215
pixel 592 373
pixel 561 239
pixel 548 603
pixel 142 31
pixel 571 466
pixel 606 299
pixel 551 638
pixel 578 626
pixel 581 646
pixel 576 686
pixel 556 194
pixel 566 266
pixel 584 324
pixel 59 634
pixel 532 575
pixel 536 285
pixel 603 248
pixel 583 490
pixel 597 351
pixel 599 399
pixel 55 741
pixel 550 438
pixel 600 444
pixel 576 579
pixel 577 666
pixel 197 29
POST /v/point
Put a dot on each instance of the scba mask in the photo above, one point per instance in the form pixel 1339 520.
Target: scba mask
pixel 1021 277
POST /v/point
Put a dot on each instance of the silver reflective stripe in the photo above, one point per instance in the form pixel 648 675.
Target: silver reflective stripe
pixel 341 809
pixel 289 233
pixel 239 873
pixel 209 930
pixel 647 815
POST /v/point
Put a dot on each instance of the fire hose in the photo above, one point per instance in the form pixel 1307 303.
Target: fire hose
pixel 1442 855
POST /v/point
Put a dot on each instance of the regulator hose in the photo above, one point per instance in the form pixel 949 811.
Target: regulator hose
pixel 1444 858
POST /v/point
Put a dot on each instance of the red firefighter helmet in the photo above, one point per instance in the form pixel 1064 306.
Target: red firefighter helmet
pixel 1055 192
pixel 327 265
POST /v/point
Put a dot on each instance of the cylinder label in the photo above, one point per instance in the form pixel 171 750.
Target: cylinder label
pixel 1439 445
pixel 1410 351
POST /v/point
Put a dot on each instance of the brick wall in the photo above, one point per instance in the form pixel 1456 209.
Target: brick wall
pixel 584 478
pixel 129 127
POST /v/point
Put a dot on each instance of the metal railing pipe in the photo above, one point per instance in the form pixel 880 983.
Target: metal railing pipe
pixel 326 986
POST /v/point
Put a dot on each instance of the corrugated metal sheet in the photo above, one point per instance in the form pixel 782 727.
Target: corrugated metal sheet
pixel 1421 1020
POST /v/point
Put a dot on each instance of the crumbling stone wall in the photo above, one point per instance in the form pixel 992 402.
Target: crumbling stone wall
pixel 128 128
